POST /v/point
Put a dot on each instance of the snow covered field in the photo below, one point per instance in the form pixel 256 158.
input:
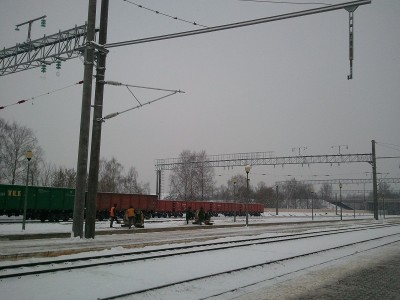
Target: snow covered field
pixel 279 279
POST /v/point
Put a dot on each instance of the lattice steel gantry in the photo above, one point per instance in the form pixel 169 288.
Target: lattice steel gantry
pixel 266 158
pixel 31 54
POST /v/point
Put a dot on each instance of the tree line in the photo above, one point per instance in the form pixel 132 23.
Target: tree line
pixel 192 179
pixel 16 140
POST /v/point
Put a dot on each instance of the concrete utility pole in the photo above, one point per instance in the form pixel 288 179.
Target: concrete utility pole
pixel 79 205
pixel 96 129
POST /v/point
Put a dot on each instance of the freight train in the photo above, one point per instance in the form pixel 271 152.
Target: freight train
pixel 55 204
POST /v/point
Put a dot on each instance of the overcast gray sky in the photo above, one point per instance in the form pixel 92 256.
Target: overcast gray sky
pixel 269 87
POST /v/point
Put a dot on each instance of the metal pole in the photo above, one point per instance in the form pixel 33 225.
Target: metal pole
pixel 234 200
pixel 336 203
pixel 26 197
pixel 277 202
pixel 312 206
pixel 340 201
pixel 247 201
pixel 90 223
pixel 159 184
pixel 374 181
pixel 81 173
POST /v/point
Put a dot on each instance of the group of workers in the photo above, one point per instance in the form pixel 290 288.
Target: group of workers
pixel 136 218
pixel 131 217
pixel 199 216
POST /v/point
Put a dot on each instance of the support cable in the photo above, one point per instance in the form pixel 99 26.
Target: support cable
pixel 45 94
pixel 138 86
pixel 112 115
pixel 134 95
pixel 164 14
pixel 116 83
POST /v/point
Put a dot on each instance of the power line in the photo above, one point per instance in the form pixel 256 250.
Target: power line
pixel 389 146
pixel 241 24
pixel 287 2
pixel 164 14
pixel 45 94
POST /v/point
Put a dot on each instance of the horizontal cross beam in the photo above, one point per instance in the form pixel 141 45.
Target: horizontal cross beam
pixel 343 181
pixel 263 158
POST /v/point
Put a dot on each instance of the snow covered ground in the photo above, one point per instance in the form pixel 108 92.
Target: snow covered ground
pixel 280 279
pixel 268 217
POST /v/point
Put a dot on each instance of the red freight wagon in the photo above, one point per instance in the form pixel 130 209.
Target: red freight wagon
pixel 104 201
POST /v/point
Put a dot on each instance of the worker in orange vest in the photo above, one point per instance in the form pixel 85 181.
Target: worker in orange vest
pixel 113 215
pixel 131 215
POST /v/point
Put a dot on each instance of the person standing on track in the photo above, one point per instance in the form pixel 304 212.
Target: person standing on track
pixel 113 215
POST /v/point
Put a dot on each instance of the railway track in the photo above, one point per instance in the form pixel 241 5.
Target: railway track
pixel 65 265
pixel 255 266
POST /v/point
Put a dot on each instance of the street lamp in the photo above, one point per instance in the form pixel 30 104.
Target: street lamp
pixel 340 200
pixel 28 156
pixel 247 169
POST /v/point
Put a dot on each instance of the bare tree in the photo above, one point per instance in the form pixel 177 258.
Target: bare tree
pixel 130 183
pixel 16 140
pixel 193 178
pixel 296 194
pixel 238 190
pixel 3 129
pixel 63 177
pixel 110 175
pixel 46 174
pixel 264 194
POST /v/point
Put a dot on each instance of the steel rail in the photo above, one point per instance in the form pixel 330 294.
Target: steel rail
pixel 226 245
pixel 257 266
